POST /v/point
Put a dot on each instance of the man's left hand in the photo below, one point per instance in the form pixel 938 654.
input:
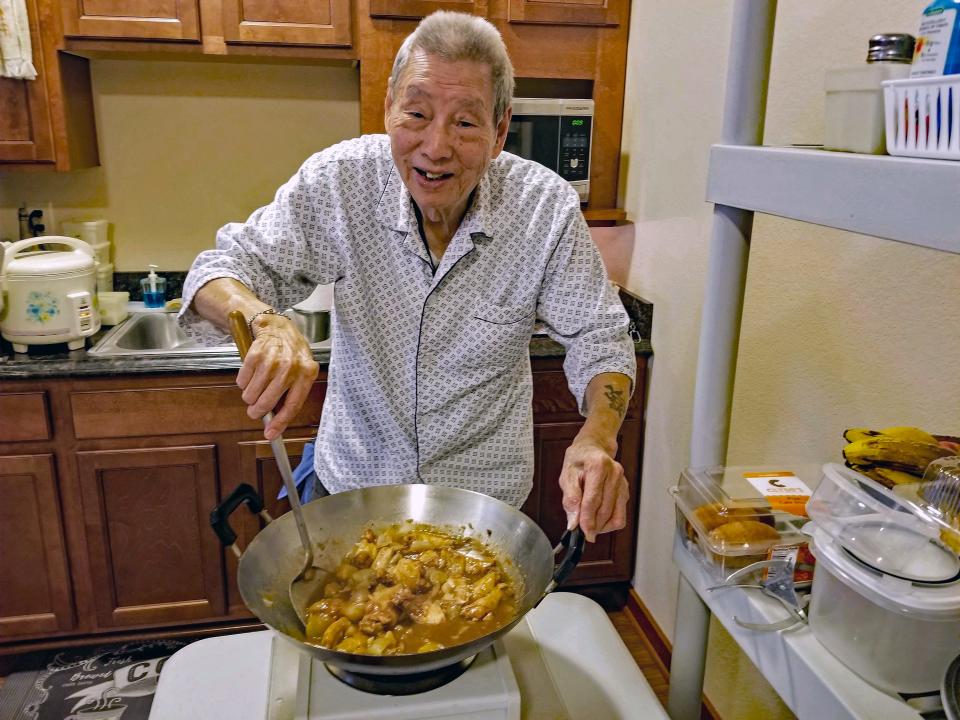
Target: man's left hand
pixel 595 491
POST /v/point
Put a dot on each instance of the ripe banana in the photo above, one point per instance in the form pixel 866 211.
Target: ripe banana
pixel 912 434
pixel 906 455
pixel 854 434
pixel 891 477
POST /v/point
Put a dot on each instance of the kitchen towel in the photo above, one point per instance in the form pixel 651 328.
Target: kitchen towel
pixel 16 53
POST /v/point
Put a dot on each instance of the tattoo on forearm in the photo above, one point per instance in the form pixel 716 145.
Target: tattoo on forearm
pixel 616 400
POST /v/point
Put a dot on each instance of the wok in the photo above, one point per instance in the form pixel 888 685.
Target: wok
pixel 335 524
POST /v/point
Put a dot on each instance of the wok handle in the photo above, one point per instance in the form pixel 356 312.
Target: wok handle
pixel 573 541
pixel 220 515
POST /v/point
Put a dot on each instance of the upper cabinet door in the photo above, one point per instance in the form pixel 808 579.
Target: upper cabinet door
pixel 569 12
pixel 143 19
pixel 287 22
pixel 25 131
pixel 24 123
pixel 421 8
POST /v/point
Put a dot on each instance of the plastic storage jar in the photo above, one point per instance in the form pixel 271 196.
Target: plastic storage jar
pixel 854 111
pixel 728 518
pixel 896 633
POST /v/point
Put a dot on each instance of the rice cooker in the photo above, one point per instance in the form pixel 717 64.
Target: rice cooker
pixel 48 295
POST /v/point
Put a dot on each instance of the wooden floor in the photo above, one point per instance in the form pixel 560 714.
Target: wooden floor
pixel 634 639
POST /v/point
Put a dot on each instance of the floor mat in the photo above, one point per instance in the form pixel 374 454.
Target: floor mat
pixel 99 683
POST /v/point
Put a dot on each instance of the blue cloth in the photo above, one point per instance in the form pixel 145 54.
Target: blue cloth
pixel 305 478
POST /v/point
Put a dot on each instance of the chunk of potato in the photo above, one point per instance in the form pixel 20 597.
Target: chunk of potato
pixel 334 633
pixel 382 644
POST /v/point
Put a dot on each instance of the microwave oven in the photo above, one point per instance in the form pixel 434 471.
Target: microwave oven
pixel 557 134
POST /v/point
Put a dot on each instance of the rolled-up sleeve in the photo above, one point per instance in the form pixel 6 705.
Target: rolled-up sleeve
pixel 281 253
pixel 581 310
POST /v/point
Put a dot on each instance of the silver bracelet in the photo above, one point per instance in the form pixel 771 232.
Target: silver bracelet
pixel 267 311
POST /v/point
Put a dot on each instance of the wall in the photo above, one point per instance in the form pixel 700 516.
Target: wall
pixel 839 330
pixel 188 146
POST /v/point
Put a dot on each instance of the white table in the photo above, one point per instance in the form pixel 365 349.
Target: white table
pixel 569 661
pixel 811 681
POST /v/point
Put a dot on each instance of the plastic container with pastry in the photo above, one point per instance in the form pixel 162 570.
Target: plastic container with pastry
pixel 734 516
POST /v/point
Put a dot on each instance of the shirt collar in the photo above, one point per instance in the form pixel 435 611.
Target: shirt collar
pixel 395 209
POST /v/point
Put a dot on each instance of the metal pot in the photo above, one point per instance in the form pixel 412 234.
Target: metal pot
pixel 336 522
pixel 314 325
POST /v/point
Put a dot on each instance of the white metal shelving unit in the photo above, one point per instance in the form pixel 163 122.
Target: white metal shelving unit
pixel 883 196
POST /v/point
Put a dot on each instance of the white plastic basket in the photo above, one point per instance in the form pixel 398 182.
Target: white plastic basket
pixel 923 117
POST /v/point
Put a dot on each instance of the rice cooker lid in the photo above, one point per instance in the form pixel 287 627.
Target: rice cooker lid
pixel 925 598
pixel 49 262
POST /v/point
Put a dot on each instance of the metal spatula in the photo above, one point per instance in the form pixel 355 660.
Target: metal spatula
pixel 305 584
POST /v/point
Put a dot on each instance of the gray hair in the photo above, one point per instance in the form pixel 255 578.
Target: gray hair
pixel 456 36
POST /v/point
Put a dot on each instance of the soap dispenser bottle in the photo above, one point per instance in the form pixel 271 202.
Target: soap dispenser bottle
pixel 154 289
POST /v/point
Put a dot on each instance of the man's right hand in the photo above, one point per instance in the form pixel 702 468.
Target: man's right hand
pixel 279 362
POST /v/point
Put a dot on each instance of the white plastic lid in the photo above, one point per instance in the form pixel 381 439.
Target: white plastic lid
pixel 49 262
pixel 930 602
pixel 845 501
pixel 900 551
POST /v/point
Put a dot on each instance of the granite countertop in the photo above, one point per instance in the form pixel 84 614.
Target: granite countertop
pixel 56 361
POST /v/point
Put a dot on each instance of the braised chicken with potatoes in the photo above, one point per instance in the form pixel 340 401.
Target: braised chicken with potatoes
pixel 412 588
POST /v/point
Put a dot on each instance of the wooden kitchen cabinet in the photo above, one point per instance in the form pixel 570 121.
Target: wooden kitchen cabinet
pixel 567 12
pixel 416 9
pixel 267 22
pixel 142 19
pixel 556 423
pixel 304 29
pixel 48 122
pixel 35 589
pixel 106 485
pixel 287 22
pixel 152 556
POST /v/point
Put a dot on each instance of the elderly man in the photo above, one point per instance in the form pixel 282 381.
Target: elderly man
pixel 445 252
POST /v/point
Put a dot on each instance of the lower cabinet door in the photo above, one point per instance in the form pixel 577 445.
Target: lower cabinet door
pixel 153 557
pixel 610 558
pixel 35 596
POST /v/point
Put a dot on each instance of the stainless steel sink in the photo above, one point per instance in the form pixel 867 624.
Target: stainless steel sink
pixel 159 334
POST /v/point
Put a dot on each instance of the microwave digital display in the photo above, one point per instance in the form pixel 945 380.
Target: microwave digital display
pixel 556 134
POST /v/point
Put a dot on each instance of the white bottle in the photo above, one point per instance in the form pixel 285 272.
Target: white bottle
pixel 854 119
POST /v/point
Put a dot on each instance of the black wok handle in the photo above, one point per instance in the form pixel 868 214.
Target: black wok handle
pixel 220 515
pixel 573 541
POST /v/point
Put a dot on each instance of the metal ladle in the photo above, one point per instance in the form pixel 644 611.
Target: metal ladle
pixel 304 584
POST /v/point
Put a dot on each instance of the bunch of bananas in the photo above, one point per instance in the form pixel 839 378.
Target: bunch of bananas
pixel 892 456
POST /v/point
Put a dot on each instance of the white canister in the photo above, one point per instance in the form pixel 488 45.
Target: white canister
pixel 896 634
pixel 92 232
pixel 104 277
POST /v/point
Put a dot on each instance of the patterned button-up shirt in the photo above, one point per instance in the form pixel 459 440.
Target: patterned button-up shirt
pixel 429 376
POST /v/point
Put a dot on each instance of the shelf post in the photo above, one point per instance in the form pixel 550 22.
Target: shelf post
pixel 748 74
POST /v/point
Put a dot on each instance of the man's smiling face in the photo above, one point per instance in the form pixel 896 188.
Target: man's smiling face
pixel 442 131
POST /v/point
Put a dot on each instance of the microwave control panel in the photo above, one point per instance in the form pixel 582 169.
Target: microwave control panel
pixel 575 147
